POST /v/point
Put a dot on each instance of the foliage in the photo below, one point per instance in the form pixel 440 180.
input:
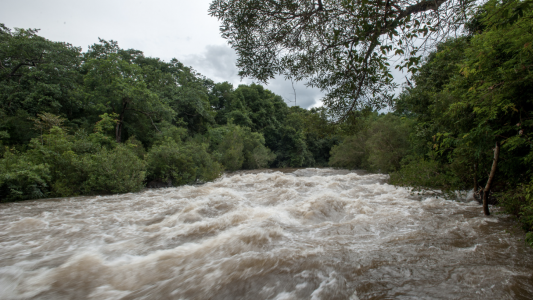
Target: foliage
pixel 351 153
pixel 287 132
pixel 93 122
pixel 238 147
pixel 115 84
pixel 473 95
pixel 486 99
pixel 518 201
pixel 116 170
pixel 21 178
pixel 66 165
pixel 380 146
pixel 425 174
pixel 341 46
pixel 67 172
pixel 102 120
pixel 231 148
pixel 47 121
pixel 181 163
pixel 260 157
pixel 387 143
pixel 37 75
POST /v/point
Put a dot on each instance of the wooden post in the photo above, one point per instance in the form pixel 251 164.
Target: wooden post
pixel 491 176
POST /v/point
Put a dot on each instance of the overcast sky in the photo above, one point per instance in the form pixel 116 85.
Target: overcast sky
pixel 160 28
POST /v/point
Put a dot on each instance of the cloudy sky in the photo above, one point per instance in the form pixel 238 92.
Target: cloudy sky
pixel 160 28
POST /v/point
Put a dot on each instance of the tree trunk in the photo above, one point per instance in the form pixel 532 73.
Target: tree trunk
pixel 118 128
pixel 476 185
pixel 491 176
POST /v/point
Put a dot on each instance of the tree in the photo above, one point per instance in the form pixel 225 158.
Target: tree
pixel 238 147
pixel 184 90
pixel 36 76
pixel 379 146
pixel 339 46
pixel 115 84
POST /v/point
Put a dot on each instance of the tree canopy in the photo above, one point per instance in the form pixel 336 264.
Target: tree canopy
pixel 341 46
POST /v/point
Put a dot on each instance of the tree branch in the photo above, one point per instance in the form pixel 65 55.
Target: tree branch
pixel 367 56
pixel 421 7
pixel 18 66
pixel 148 115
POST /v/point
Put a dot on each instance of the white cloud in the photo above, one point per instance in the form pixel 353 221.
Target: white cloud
pixel 218 62
pixel 305 97
pixel 160 28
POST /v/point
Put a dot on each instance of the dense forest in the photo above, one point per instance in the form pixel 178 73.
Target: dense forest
pixel 111 120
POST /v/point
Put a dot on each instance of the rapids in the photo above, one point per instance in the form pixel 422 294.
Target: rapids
pixel 300 234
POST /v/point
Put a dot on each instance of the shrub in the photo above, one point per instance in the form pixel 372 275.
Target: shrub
pixel 136 146
pixel 208 168
pixel 260 157
pixel 181 163
pixel 238 147
pixel 387 143
pixel 178 134
pixel 21 178
pixel 114 171
pixel 379 146
pixel 351 153
pixel 56 150
pixel 231 149
pixel 519 202
pixel 424 174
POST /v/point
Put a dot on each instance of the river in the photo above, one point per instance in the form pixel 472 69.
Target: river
pixel 298 234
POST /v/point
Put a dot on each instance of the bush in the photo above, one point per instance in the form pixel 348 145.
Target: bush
pixel 114 171
pixel 424 174
pixel 136 146
pixel 208 168
pixel 21 178
pixel 260 157
pixel 379 146
pixel 238 147
pixel 387 143
pixel 231 149
pixel 256 154
pixel 519 202
pixel 351 153
pixel 56 150
pixel 291 147
pixel 183 163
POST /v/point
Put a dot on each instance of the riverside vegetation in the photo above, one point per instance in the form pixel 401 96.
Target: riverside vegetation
pixel 111 120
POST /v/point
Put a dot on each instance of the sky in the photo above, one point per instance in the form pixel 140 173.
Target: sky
pixel 160 28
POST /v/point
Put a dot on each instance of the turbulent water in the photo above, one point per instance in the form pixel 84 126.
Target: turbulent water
pixel 305 234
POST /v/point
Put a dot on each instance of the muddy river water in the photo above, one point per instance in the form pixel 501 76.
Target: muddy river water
pixel 299 234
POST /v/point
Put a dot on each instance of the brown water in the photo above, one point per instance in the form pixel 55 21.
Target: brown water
pixel 309 234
